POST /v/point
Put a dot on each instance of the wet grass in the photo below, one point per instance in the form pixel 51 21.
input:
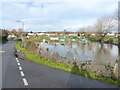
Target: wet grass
pixel 72 69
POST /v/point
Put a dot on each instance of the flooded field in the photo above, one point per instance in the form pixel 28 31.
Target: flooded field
pixel 97 53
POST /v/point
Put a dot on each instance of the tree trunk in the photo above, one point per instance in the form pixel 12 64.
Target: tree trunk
pixel 117 62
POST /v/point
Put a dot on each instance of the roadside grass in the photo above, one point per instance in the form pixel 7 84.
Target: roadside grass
pixel 72 69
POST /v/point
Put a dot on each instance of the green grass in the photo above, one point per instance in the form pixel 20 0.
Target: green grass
pixel 75 70
pixel 105 38
pixel 92 39
pixel 110 38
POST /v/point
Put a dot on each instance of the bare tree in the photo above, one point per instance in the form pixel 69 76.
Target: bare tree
pixel 14 31
pixel 104 25
pixel 20 31
pixel 90 29
pixel 81 29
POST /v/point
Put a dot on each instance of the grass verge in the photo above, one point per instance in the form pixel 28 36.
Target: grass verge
pixel 37 59
pixel 92 39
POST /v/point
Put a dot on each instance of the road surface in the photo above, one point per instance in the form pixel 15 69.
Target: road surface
pixel 18 73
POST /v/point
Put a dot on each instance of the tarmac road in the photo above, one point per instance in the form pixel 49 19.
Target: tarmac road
pixel 18 73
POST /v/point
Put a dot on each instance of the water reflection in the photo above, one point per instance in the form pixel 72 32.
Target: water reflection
pixel 102 55
pixel 99 53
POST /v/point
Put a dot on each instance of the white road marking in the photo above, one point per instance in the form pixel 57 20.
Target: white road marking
pixel 20 68
pixel 22 74
pixel 25 81
pixel 17 60
pixel 18 63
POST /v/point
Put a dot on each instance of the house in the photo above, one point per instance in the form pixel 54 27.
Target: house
pixel 28 36
pixel 40 34
pixel 31 34
pixel 116 34
pixel 93 34
pixel 52 34
pixel 110 34
pixel 54 38
pixel 48 34
pixel 12 36
pixel 72 34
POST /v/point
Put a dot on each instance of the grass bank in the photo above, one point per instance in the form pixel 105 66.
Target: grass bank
pixel 92 39
pixel 95 39
pixel 111 38
pixel 75 70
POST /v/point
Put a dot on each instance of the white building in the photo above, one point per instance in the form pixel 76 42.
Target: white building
pixel 48 34
pixel 83 34
pixel 72 34
pixel 11 36
pixel 31 34
pixel 28 36
pixel 41 34
pixel 54 38
pixel 52 34
pixel 93 34
pixel 110 34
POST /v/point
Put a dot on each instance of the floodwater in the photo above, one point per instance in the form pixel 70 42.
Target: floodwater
pixel 99 54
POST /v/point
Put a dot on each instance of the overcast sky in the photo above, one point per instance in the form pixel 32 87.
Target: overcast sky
pixel 54 15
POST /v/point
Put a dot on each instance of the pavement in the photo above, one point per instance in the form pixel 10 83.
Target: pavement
pixel 18 73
